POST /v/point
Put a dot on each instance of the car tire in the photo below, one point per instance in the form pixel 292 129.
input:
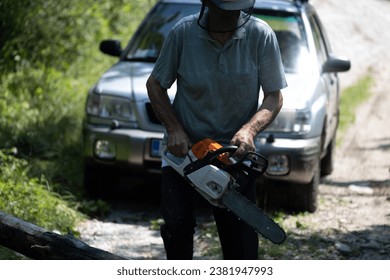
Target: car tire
pixel 328 160
pixel 272 195
pixel 304 197
pixel 99 182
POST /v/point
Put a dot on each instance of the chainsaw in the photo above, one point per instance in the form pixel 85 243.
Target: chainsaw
pixel 217 176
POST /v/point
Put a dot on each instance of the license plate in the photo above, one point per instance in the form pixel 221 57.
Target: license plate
pixel 155 149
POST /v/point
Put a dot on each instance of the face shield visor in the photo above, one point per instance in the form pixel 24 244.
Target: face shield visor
pixel 234 5
pixel 243 8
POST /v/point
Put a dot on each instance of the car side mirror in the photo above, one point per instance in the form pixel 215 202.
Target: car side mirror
pixel 336 64
pixel 111 47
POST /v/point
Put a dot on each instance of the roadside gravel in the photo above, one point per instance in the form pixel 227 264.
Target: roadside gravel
pixel 353 218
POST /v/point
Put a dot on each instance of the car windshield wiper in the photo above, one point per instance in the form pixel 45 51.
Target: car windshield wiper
pixel 142 59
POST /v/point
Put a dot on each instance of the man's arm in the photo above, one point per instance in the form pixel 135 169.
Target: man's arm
pixel 244 138
pixel 178 141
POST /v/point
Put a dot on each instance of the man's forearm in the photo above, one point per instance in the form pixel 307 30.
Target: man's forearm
pixel 272 103
pixel 162 105
pixel 178 142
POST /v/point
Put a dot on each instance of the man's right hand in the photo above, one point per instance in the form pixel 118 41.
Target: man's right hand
pixel 178 141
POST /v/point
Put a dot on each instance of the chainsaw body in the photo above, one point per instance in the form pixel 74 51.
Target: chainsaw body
pixel 210 181
pixel 209 168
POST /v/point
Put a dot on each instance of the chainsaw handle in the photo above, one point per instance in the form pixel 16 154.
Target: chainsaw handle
pixel 208 158
pixel 214 154
pixel 253 163
pixel 258 163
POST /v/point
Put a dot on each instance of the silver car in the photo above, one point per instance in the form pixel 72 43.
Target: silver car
pixel 122 132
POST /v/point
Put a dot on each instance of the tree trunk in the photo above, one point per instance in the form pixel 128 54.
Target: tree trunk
pixel 37 243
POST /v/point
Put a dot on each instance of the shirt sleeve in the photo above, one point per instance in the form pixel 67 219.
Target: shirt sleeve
pixel 271 75
pixel 165 69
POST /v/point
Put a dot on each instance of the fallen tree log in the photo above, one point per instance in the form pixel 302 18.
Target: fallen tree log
pixel 37 243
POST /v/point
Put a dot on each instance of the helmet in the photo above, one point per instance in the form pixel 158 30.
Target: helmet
pixel 233 4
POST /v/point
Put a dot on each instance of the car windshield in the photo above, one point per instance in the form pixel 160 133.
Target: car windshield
pixel 291 38
pixel 147 42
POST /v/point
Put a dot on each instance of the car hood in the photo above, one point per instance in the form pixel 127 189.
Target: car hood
pixel 128 79
pixel 299 92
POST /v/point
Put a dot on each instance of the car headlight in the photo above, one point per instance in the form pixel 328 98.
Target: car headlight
pixel 111 107
pixel 278 165
pixel 302 122
pixel 291 121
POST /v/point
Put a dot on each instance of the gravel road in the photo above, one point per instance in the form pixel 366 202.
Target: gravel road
pixel 353 218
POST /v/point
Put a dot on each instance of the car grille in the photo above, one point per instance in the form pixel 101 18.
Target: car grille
pixel 151 115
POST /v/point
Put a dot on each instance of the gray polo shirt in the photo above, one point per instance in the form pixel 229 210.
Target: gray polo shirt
pixel 218 85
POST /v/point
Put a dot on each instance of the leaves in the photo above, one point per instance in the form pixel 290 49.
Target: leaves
pixel 32 199
pixel 49 58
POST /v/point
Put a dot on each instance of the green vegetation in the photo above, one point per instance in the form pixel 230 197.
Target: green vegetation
pixel 49 57
pixel 33 199
pixel 350 99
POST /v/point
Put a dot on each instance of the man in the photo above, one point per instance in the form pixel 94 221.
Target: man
pixel 220 58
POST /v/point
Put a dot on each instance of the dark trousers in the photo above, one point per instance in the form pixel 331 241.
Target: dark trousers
pixel 178 201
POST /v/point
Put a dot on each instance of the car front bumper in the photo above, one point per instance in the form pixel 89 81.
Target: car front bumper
pixel 293 160
pixel 125 148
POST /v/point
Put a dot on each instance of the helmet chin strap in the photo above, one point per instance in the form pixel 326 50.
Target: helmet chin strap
pixel 220 31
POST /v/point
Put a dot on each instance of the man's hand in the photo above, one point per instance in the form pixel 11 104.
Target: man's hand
pixel 243 139
pixel 178 143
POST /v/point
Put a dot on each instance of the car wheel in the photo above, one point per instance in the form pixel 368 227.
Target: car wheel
pixel 276 195
pixel 327 161
pixel 272 195
pixel 304 196
pixel 99 181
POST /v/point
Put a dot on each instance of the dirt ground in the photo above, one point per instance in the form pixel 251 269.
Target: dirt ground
pixel 353 218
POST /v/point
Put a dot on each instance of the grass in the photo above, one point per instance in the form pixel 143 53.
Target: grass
pixel 350 100
pixel 308 244
pixel 33 199
pixel 7 254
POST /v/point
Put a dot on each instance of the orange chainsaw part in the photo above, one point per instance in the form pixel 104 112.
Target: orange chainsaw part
pixel 203 147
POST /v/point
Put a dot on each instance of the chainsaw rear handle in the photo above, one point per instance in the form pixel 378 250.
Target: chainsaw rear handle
pixel 177 163
pixel 208 159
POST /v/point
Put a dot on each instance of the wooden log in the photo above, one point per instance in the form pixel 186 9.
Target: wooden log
pixel 37 243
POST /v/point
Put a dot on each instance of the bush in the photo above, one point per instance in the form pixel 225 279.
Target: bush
pixel 32 199
pixel 49 58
